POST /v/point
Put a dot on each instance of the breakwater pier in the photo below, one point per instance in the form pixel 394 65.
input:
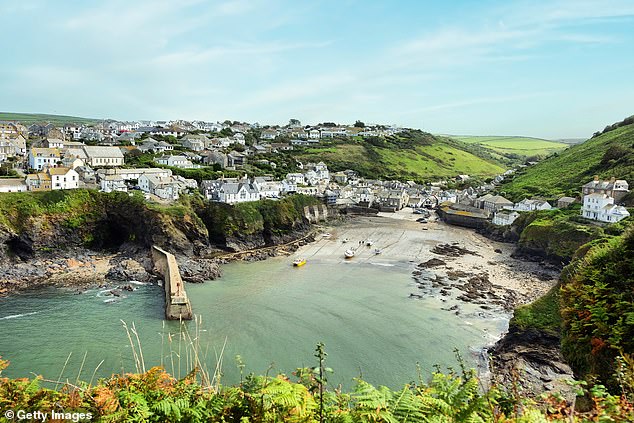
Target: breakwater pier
pixel 177 305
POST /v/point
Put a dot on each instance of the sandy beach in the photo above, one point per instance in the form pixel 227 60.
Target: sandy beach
pixel 402 240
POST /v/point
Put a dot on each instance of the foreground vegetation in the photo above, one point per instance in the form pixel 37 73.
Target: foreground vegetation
pixel 156 396
pixel 592 308
pixel 597 299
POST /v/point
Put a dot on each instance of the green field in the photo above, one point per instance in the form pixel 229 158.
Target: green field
pixel 608 155
pixel 437 160
pixel 520 146
pixel 420 157
pixel 30 118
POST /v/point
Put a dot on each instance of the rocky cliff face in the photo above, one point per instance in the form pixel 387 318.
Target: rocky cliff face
pixel 532 360
pixel 53 237
pixel 247 226
pixel 110 235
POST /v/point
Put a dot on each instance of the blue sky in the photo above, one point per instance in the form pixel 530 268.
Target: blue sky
pixel 550 69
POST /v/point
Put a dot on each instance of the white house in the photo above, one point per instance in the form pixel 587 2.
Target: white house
pixel 322 171
pixel 448 196
pixel 166 188
pixel 296 178
pixel 195 142
pixel 6 150
pixel 13 185
pixel 240 192
pixel 154 146
pixel 53 143
pixel 72 162
pixel 175 161
pixel 111 183
pixel 230 191
pixel 505 217
pixel 334 132
pixel 19 144
pixel 268 188
pixel 289 186
pixel 63 178
pixel 239 138
pixel 601 207
pixel 365 195
pixel 40 158
pixel 532 205
pixel 268 134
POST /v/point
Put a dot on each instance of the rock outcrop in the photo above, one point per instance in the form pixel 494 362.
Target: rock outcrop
pixel 532 360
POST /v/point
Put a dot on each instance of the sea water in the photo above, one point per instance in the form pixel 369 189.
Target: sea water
pixel 268 312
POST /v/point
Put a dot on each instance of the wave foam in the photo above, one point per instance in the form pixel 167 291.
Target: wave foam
pixel 16 316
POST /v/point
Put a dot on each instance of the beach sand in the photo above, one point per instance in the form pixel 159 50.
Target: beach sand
pixel 402 240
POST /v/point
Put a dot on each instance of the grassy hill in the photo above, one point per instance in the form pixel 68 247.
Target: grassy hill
pixel 518 146
pixel 30 118
pixel 410 155
pixel 610 154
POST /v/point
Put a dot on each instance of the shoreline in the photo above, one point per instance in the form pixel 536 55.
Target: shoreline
pixel 460 254
pixel 456 270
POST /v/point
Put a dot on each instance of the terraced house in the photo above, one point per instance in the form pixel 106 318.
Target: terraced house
pixel 11 130
pixel 615 188
pixel 39 158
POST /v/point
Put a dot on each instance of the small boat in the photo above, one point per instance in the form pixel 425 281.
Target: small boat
pixel 369 242
pixel 349 254
pixel 345 240
pixel 327 235
pixel 299 262
pixel 377 251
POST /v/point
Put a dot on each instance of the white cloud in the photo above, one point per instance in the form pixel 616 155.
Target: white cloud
pixel 478 101
pixel 246 51
pixel 320 85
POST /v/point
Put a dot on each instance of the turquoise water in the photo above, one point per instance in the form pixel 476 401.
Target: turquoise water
pixel 268 312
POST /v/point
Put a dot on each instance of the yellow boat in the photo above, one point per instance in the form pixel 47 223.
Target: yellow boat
pixel 299 262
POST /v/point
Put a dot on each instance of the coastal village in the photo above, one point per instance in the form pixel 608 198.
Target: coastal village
pixel 45 157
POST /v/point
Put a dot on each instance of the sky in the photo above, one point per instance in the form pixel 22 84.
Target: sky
pixel 552 69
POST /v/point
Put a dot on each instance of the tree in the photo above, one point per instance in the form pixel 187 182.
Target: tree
pixel 237 147
pixel 294 122
pixel 359 124
pixel 226 132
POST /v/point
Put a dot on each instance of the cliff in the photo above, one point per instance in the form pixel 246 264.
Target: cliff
pixel 256 224
pixel 53 237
